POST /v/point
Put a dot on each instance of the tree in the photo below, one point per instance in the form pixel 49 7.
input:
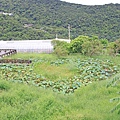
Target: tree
pixel 92 47
pixel 76 44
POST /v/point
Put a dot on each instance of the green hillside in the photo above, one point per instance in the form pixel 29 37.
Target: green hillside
pixel 43 19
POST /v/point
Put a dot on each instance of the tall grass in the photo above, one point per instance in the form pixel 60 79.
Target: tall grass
pixel 25 102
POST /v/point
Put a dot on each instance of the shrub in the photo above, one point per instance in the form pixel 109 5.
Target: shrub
pixel 60 48
pixel 60 51
pixel 92 47
pixel 114 47
pixel 76 44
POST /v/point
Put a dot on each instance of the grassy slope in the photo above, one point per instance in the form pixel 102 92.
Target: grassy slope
pixel 23 102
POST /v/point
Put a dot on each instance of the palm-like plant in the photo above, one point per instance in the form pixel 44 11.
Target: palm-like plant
pixel 114 82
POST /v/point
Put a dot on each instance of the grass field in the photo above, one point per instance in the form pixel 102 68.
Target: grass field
pixel 26 102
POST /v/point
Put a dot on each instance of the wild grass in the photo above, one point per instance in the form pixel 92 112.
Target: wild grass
pixel 23 102
pixel 27 102
pixel 32 56
pixel 51 72
pixel 114 59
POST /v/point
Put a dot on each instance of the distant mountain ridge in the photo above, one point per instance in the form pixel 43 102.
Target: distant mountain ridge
pixel 46 18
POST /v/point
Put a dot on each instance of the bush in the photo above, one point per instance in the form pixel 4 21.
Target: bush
pixel 76 44
pixel 114 47
pixel 60 48
pixel 60 51
pixel 92 47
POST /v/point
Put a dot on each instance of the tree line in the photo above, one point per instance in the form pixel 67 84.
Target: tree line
pixel 88 46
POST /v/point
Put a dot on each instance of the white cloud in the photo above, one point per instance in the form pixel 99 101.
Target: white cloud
pixel 93 2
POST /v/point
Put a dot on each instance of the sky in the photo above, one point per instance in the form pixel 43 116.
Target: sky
pixel 93 2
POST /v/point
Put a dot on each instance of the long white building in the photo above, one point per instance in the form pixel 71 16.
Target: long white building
pixel 40 46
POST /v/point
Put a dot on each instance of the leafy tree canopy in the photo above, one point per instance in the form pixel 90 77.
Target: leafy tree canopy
pixel 43 19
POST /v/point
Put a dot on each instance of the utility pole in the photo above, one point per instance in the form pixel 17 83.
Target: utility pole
pixel 56 36
pixel 69 31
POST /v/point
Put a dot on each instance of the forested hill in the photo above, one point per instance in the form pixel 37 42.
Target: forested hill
pixel 43 19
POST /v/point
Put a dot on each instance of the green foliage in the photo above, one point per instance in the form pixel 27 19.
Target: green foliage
pixel 117 46
pixel 114 47
pixel 86 45
pixel 52 17
pixel 4 86
pixel 23 102
pixel 92 47
pixel 104 42
pixel 87 71
pixel 117 107
pixel 111 49
pixel 115 81
pixel 57 43
pixel 26 75
pixel 60 62
pixel 95 70
pixel 60 48
pixel 76 44
pixel 27 102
